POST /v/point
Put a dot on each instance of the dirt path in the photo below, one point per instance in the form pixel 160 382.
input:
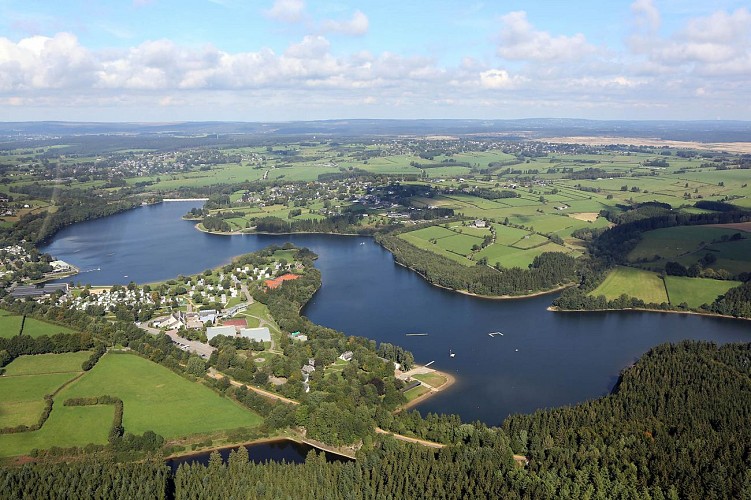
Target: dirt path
pixel 401 437
pixel 216 375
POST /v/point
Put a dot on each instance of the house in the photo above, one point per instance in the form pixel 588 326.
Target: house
pixel 479 223
pixel 307 369
pixel 213 331
pixel 205 315
pixel 258 334
pixel 346 356
pixel 298 336
pixel 411 385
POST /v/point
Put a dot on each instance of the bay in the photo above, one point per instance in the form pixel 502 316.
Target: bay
pixel 544 359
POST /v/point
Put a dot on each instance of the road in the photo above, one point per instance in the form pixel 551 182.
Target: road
pixel 203 350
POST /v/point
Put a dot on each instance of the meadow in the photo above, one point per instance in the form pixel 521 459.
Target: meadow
pixel 27 379
pixel 10 326
pixel 154 399
pixel 638 283
pixel 696 291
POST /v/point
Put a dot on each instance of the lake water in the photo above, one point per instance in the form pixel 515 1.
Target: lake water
pixel 275 451
pixel 544 359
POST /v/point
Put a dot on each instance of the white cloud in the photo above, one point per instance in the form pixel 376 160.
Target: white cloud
pixel 288 11
pixel 519 40
pixel 497 79
pixel 355 26
pixel 646 15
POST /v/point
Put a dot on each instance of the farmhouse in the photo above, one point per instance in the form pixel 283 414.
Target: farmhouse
pixel 346 356
pixel 479 223
pixel 258 334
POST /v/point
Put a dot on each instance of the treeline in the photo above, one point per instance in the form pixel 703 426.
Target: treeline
pixel 37 227
pixel 19 345
pixel 677 422
pixel 342 223
pixel 675 426
pixel 548 270
pixel 614 245
pixel 89 478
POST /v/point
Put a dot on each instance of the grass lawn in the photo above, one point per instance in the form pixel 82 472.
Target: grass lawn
pixel 47 363
pixel 644 285
pixel 432 379
pixel 10 324
pixel 415 392
pixel 696 291
pixel 157 399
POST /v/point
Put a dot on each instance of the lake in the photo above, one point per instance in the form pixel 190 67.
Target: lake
pixel 274 451
pixel 544 359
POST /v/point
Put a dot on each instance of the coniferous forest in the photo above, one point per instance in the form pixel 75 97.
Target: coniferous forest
pixel 675 426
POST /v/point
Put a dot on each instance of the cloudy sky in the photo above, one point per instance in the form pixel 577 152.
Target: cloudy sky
pixel 260 60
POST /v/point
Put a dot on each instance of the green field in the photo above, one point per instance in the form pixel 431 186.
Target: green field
pixel 10 325
pixel 688 244
pixel 39 364
pixel 28 379
pixel 643 285
pixel 674 242
pixel 157 399
pixel 154 398
pixel 696 291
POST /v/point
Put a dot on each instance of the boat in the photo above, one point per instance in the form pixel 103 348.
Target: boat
pixel 451 353
pixel 493 334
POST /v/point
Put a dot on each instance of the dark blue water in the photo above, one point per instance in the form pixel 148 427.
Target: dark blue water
pixel 277 451
pixel 544 359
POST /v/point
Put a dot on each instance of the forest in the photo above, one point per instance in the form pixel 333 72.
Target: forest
pixel 548 270
pixel 675 426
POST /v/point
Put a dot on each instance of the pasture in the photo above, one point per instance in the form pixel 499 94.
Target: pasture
pixel 157 399
pixel 10 326
pixel 696 291
pixel 28 379
pixel 638 283
pixel 154 398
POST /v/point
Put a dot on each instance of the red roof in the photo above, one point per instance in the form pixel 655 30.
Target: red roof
pixel 235 322
pixel 277 282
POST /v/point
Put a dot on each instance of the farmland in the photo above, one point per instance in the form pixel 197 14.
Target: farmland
pixel 730 248
pixel 154 399
pixel 10 325
pixel 695 292
pixel 643 285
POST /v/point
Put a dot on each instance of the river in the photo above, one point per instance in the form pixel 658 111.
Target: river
pixel 544 359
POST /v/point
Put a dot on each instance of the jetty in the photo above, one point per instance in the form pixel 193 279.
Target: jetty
pixel 427 365
pixel 416 334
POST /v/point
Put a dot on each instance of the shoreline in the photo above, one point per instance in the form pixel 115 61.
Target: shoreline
pixel 644 309
pixel 487 297
pixel 450 380
pixel 240 233
pixel 184 199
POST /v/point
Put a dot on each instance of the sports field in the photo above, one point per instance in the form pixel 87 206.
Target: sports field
pixel 638 283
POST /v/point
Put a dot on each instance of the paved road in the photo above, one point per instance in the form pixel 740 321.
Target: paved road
pixel 203 350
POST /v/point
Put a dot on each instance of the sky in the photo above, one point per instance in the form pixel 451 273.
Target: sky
pixel 282 60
